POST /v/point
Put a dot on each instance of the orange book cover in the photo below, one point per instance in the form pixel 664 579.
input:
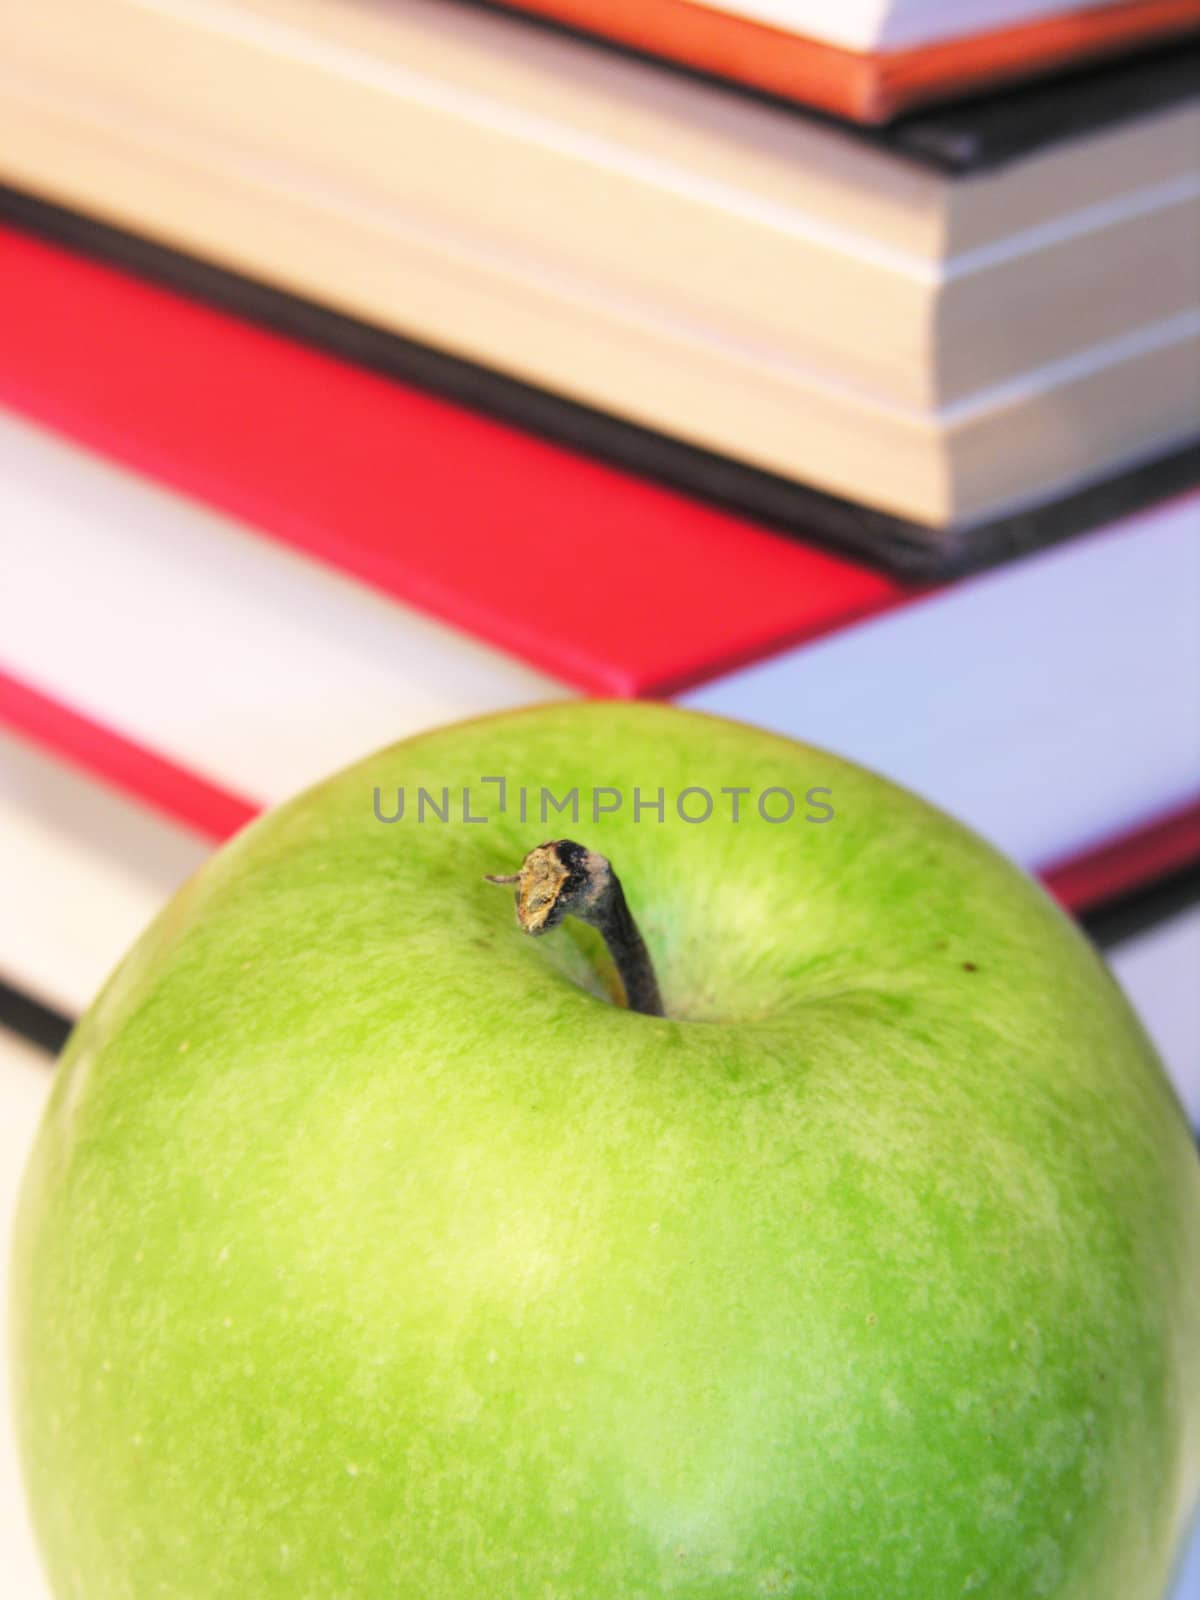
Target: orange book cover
pixel 871 86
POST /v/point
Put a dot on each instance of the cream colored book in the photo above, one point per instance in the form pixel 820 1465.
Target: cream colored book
pixel 733 274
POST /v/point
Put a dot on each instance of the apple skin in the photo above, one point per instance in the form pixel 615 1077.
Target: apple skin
pixel 367 1254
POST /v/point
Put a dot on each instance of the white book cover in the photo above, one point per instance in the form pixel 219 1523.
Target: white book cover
pixel 865 25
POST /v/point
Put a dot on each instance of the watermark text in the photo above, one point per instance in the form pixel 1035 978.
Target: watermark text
pixel 694 804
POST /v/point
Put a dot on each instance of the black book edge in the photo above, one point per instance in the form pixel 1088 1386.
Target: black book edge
pixel 976 132
pixel 908 550
pixel 1113 922
pixel 32 1020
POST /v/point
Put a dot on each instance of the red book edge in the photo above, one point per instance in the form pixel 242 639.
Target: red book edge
pixel 132 769
pixel 1153 851
pixel 1144 854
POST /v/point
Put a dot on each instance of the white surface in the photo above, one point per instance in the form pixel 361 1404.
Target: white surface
pixel 1160 972
pixel 258 669
pixel 1051 704
pixel 1187 1583
pixel 1152 968
pixel 892 24
pixel 83 871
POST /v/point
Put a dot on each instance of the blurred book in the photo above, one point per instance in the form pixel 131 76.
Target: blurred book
pixel 205 671
pixel 85 869
pixel 870 59
pixel 596 576
pixel 926 342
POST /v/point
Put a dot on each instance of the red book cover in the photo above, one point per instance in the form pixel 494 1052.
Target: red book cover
pixel 604 580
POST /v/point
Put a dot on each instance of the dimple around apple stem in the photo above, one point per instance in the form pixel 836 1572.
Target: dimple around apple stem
pixel 561 878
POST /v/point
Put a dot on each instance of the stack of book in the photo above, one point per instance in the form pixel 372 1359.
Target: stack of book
pixel 366 366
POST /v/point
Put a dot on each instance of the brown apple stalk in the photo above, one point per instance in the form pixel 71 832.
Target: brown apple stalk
pixel 561 878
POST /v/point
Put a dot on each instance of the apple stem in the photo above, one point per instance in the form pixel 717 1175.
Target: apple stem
pixel 562 878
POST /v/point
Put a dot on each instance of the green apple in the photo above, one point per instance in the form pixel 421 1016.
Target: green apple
pixel 371 1250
